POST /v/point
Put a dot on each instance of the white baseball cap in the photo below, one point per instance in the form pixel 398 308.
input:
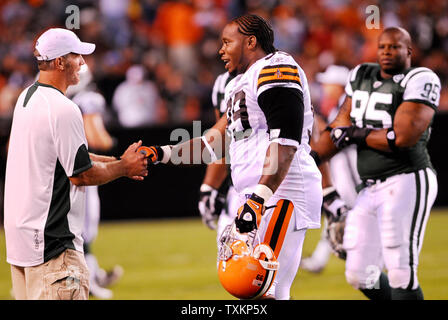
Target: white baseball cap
pixel 334 75
pixel 56 42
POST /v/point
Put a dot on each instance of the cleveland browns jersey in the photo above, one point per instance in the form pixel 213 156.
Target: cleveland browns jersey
pixel 374 103
pixel 251 137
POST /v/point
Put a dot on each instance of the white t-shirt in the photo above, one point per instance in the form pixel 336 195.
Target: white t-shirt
pixel 44 211
pixel 248 125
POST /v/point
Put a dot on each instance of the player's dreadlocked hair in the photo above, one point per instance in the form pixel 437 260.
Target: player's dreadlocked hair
pixel 253 25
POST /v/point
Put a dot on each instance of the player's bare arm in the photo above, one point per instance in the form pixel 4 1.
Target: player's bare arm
pixel 324 146
pixel 411 120
pixel 96 133
pixel 279 157
pixel 201 150
pixel 216 173
pixel 132 164
pixel 101 158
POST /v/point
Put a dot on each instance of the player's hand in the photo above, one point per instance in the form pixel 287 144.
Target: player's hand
pixel 336 211
pixel 249 215
pixel 333 206
pixel 134 163
pixel 335 235
pixel 211 202
pixel 153 153
pixel 344 136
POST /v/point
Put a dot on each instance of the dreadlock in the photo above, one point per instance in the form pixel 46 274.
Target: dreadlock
pixel 253 25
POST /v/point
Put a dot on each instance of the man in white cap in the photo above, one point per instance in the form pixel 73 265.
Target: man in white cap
pixel 47 168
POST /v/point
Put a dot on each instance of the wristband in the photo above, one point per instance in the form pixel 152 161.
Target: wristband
pixel 326 191
pixel 166 154
pixel 205 188
pixel 210 149
pixel 263 192
pixel 390 136
pixel 328 128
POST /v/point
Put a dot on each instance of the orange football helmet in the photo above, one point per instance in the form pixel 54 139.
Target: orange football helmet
pixel 247 273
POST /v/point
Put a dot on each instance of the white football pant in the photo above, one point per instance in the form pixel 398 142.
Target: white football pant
pixel 386 228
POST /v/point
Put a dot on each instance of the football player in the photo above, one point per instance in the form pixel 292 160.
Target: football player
pixel 387 113
pixel 269 119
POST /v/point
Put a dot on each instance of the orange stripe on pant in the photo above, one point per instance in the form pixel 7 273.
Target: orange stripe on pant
pixel 276 230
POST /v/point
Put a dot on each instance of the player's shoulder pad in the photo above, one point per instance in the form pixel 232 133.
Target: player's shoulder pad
pixel 278 68
pixel 423 86
pixel 362 71
pixel 418 74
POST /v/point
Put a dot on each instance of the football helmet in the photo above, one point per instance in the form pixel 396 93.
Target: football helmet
pixel 246 272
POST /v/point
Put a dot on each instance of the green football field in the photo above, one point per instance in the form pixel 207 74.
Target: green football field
pixel 176 260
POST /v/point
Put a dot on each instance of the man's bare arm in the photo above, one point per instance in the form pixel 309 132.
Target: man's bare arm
pixel 410 121
pixel 132 164
pixel 277 162
pixel 324 146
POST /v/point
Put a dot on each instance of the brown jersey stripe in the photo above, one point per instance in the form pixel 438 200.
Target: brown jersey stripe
pixel 274 73
pixel 274 70
pixel 276 231
pixel 279 77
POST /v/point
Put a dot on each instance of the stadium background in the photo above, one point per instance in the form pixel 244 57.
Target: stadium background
pixel 176 42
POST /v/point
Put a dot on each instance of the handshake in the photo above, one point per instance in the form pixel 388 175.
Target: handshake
pixel 154 153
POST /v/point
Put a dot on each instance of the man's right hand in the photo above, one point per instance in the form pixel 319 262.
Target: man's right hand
pixel 135 164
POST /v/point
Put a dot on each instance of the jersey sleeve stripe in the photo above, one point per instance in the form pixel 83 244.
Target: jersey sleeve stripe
pixel 408 77
pixel 274 70
pixel 279 73
pixel 274 79
pixel 425 102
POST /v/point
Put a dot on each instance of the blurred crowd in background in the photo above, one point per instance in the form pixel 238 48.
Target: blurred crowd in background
pixel 156 61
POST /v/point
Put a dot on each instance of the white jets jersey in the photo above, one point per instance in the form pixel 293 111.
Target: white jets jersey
pixel 44 211
pixel 250 139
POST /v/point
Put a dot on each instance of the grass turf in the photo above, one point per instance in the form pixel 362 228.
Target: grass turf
pixel 176 260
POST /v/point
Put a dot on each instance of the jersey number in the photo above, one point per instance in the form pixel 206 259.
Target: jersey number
pixel 431 92
pixel 232 116
pixel 368 110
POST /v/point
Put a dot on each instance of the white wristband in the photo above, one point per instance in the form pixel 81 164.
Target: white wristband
pixel 166 154
pixel 205 188
pixel 210 149
pixel 264 192
pixel 326 191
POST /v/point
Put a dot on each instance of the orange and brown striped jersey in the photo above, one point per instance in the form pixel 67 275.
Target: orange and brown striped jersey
pixel 280 73
pixel 252 135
